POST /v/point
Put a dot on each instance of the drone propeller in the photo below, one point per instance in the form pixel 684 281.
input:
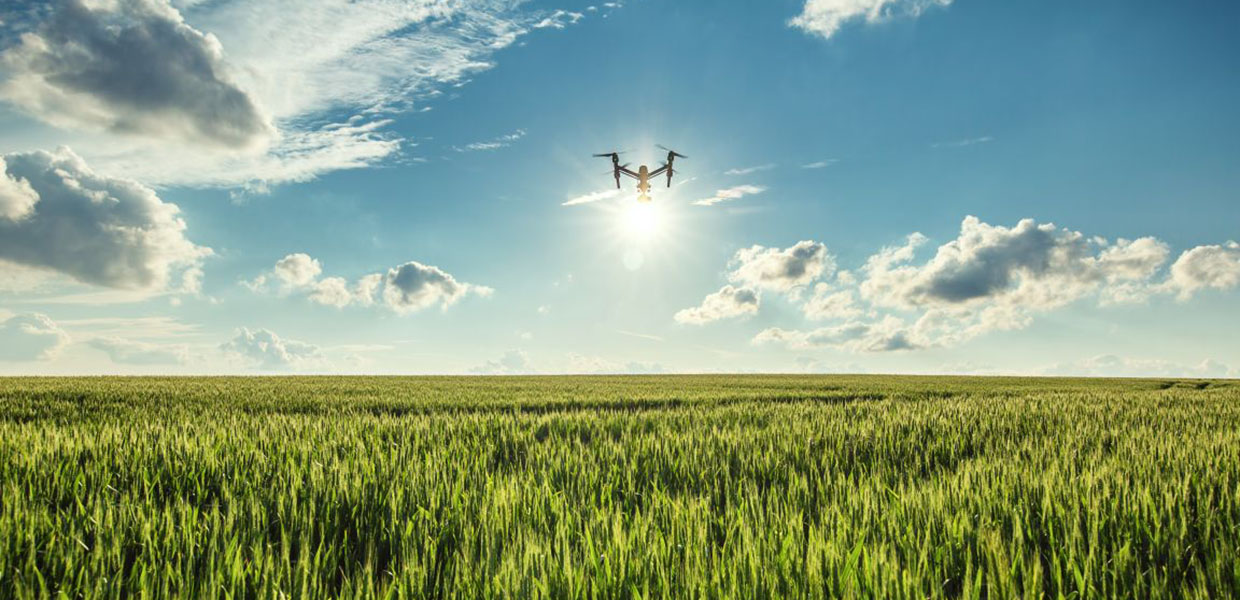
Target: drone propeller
pixel 672 152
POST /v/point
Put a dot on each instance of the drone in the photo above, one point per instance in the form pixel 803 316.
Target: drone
pixel 643 174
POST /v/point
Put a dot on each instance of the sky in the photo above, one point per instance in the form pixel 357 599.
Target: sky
pixel 406 187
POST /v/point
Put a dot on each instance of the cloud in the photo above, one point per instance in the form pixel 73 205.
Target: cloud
pixel 1110 365
pixel 827 304
pixel 825 17
pixel 820 164
pixel 303 152
pixel 884 335
pixel 265 350
pixel 329 98
pixel 21 278
pixel 595 365
pixel 592 197
pixel 334 291
pixel 296 270
pixel 513 362
pixel 31 337
pixel 639 335
pixel 749 170
pixel 126 351
pixel 989 278
pixel 962 143
pixel 1030 265
pixel 17 198
pixel 995 278
pixel 407 288
pixel 760 268
pixel 781 270
pixel 516 362
pixel 414 286
pixel 732 193
pixel 559 19
pixel 131 67
pixel 502 141
pixel 96 229
pixel 366 288
pixel 1204 267
pixel 728 302
pixel 634 367
pixel 131 327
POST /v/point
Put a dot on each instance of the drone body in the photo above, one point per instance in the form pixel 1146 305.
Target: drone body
pixel 643 174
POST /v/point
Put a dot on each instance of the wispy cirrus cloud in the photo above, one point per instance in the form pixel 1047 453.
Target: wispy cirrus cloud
pixel 591 197
pixel 985 139
pixel 732 193
pixel 645 336
pixel 824 18
pixel 820 164
pixel 559 19
pixel 496 143
pixel 749 170
pixel 268 101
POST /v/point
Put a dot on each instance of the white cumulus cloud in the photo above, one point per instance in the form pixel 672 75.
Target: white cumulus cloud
pixel 131 67
pixel 726 303
pixel 1029 265
pixel 826 303
pixel 296 270
pixel 1205 267
pixel 513 362
pixel 17 198
pixel 988 278
pixel 406 288
pixel 96 229
pixel 265 350
pixel 883 335
pixel 334 291
pixel 781 269
pixel 414 286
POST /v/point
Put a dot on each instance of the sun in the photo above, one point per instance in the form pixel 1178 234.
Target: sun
pixel 642 220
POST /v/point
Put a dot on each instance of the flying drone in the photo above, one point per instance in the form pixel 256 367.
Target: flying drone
pixel 643 174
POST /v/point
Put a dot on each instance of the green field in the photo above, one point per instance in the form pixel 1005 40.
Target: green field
pixel 677 486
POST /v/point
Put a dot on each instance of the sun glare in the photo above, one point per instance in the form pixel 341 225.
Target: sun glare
pixel 642 219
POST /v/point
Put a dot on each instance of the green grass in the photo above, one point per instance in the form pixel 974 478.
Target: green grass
pixel 694 486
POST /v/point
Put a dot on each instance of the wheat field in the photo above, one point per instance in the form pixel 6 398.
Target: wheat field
pixel 619 487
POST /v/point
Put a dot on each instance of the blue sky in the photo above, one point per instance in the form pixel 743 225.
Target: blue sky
pixel 931 186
